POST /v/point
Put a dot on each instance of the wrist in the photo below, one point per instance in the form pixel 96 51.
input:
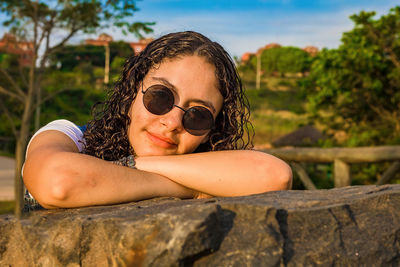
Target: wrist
pixel 128 161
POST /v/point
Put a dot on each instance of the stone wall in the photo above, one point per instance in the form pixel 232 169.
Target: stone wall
pixel 352 226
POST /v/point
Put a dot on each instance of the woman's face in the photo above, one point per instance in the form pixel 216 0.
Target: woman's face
pixel 193 83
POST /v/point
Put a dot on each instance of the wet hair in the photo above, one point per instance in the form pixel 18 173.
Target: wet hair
pixel 106 135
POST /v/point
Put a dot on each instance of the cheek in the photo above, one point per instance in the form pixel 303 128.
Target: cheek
pixel 136 117
pixel 191 143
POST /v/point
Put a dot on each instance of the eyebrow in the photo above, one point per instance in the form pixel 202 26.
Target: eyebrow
pixel 194 100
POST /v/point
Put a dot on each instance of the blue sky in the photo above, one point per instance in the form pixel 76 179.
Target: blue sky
pixel 246 25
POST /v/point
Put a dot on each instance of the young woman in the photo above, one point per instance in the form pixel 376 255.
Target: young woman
pixel 174 125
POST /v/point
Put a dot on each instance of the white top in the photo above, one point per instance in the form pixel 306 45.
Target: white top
pixel 64 126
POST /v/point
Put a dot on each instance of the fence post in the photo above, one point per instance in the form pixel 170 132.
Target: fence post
pixel 342 173
pixel 305 179
pixel 389 173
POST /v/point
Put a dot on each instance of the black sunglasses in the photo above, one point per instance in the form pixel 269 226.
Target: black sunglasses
pixel 159 99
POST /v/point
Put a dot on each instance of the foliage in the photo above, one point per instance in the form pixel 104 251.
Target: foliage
pixel 247 69
pixel 73 55
pixel 74 105
pixel 73 15
pixel 356 88
pixel 6 207
pixel 116 67
pixel 47 26
pixel 277 60
pixel 274 112
pixel 285 60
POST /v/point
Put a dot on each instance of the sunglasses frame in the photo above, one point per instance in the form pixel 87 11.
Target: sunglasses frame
pixel 191 131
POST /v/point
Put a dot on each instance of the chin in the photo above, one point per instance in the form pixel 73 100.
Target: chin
pixel 154 152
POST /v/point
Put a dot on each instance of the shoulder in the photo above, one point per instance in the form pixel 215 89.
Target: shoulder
pixel 74 132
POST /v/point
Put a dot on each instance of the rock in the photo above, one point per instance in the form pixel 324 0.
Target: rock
pixel 304 136
pixel 351 226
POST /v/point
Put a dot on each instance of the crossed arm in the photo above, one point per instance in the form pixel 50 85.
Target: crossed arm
pixel 58 176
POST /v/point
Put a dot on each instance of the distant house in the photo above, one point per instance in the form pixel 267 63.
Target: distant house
pixel 246 56
pixel 312 50
pixel 24 49
pixel 271 45
pixel 139 46
pixel 104 39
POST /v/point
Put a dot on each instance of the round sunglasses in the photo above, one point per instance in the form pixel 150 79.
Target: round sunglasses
pixel 159 100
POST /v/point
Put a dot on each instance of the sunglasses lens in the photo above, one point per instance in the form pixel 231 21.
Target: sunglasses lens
pixel 198 120
pixel 158 99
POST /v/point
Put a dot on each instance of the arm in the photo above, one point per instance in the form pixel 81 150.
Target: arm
pixel 58 176
pixel 223 173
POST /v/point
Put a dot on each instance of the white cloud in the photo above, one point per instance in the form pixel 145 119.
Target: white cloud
pixel 242 31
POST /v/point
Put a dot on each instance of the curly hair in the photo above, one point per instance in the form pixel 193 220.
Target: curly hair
pixel 106 135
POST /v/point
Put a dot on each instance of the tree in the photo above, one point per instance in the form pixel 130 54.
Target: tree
pixel 293 60
pixel 73 55
pixel 42 23
pixel 269 59
pixel 356 88
pixel 286 59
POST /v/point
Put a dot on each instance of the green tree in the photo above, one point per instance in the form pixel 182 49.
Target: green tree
pixel 72 56
pixel 285 59
pixel 269 59
pixel 356 88
pixel 247 69
pixel 293 60
pixel 42 23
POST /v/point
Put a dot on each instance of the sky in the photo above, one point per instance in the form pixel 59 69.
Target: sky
pixel 246 25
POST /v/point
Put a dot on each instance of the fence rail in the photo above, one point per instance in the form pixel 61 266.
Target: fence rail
pixel 341 159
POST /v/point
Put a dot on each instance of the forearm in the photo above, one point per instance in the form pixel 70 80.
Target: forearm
pixel 222 173
pixel 73 180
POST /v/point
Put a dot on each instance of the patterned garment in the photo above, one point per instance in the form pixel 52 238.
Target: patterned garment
pixel 30 204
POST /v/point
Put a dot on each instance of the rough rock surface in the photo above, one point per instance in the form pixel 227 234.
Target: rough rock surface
pixel 352 226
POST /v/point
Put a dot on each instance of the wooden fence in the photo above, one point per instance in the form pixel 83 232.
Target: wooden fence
pixel 341 159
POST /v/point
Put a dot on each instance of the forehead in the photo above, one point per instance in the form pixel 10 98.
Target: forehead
pixel 190 76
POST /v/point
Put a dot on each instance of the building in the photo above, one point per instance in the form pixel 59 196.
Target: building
pixel 24 49
pixel 104 39
pixel 312 50
pixel 246 56
pixel 271 45
pixel 138 47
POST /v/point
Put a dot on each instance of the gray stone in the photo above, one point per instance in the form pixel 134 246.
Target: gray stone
pixel 351 226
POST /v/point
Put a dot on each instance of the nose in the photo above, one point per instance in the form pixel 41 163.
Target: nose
pixel 173 119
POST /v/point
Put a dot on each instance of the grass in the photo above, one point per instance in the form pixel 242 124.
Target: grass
pixel 275 109
pixel 7 207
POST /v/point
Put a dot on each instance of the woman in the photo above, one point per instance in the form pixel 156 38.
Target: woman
pixel 175 125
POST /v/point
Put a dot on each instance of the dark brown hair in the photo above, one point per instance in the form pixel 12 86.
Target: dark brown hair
pixel 106 135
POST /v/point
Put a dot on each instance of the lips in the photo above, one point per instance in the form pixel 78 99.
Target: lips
pixel 160 140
